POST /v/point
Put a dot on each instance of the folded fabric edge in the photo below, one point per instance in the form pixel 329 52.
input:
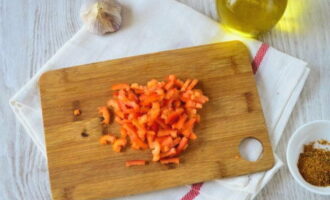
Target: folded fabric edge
pixel 26 126
pixel 285 110
pixel 281 124
pixel 266 180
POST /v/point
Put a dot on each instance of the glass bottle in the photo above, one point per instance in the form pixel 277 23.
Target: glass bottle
pixel 250 17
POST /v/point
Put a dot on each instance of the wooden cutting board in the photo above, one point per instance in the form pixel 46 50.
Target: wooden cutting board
pixel 80 168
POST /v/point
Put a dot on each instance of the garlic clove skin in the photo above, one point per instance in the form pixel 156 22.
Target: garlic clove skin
pixel 101 16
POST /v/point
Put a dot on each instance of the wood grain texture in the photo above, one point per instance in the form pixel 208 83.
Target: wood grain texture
pixel 32 31
pixel 232 115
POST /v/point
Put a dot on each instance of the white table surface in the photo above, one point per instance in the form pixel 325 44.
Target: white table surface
pixel 31 31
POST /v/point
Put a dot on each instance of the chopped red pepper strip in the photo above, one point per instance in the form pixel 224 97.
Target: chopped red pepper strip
pixel 181 146
pixel 167 132
pixel 76 112
pixel 170 153
pixel 107 139
pixel 176 141
pixel 155 151
pixel 192 84
pixel 120 86
pixel 104 112
pixel 119 144
pixel 185 85
pixel 130 163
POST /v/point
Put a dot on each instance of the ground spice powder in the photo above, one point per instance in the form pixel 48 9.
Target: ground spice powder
pixel 314 165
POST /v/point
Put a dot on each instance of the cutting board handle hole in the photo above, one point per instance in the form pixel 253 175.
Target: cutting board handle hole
pixel 250 149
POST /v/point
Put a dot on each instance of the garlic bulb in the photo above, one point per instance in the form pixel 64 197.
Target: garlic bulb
pixel 101 16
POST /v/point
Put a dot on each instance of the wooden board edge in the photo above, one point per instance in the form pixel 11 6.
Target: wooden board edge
pixel 239 45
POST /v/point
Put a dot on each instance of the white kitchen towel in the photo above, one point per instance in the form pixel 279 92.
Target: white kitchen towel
pixel 150 26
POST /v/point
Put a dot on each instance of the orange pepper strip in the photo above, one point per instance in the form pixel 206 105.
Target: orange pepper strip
pixel 148 99
pixel 172 94
pixel 186 133
pixel 152 83
pixel 107 139
pixel 104 112
pixel 164 149
pixel 177 104
pixel 181 146
pixel 119 144
pixel 201 99
pixel 170 83
pixel 166 143
pixel 190 104
pixel 154 112
pixel 191 112
pixel 131 105
pixel 179 83
pixel 192 84
pixel 134 145
pixel 129 128
pixel 176 141
pixel 185 85
pixel 179 125
pixel 192 136
pixel 120 86
pixel 123 133
pixel 76 112
pixel 171 77
pixel 167 132
pixel 131 96
pixel 142 135
pixel 171 152
pixel 174 116
pixel 143 119
pixel 141 130
pixel 130 163
pixel 156 151
pixel 120 114
pixel 114 104
pixel 161 123
pixel 151 133
pixel 134 136
pixel 189 125
pixel 138 141
pixel 150 140
pixel 170 160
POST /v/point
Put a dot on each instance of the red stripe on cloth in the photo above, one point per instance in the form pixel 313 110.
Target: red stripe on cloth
pixel 259 57
pixel 193 192
pixel 195 188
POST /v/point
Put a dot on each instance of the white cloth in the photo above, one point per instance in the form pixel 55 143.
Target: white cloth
pixel 150 26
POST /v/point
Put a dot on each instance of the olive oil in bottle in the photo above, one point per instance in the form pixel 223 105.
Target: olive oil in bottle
pixel 250 17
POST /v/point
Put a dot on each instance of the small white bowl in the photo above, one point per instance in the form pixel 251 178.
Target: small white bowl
pixel 307 133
